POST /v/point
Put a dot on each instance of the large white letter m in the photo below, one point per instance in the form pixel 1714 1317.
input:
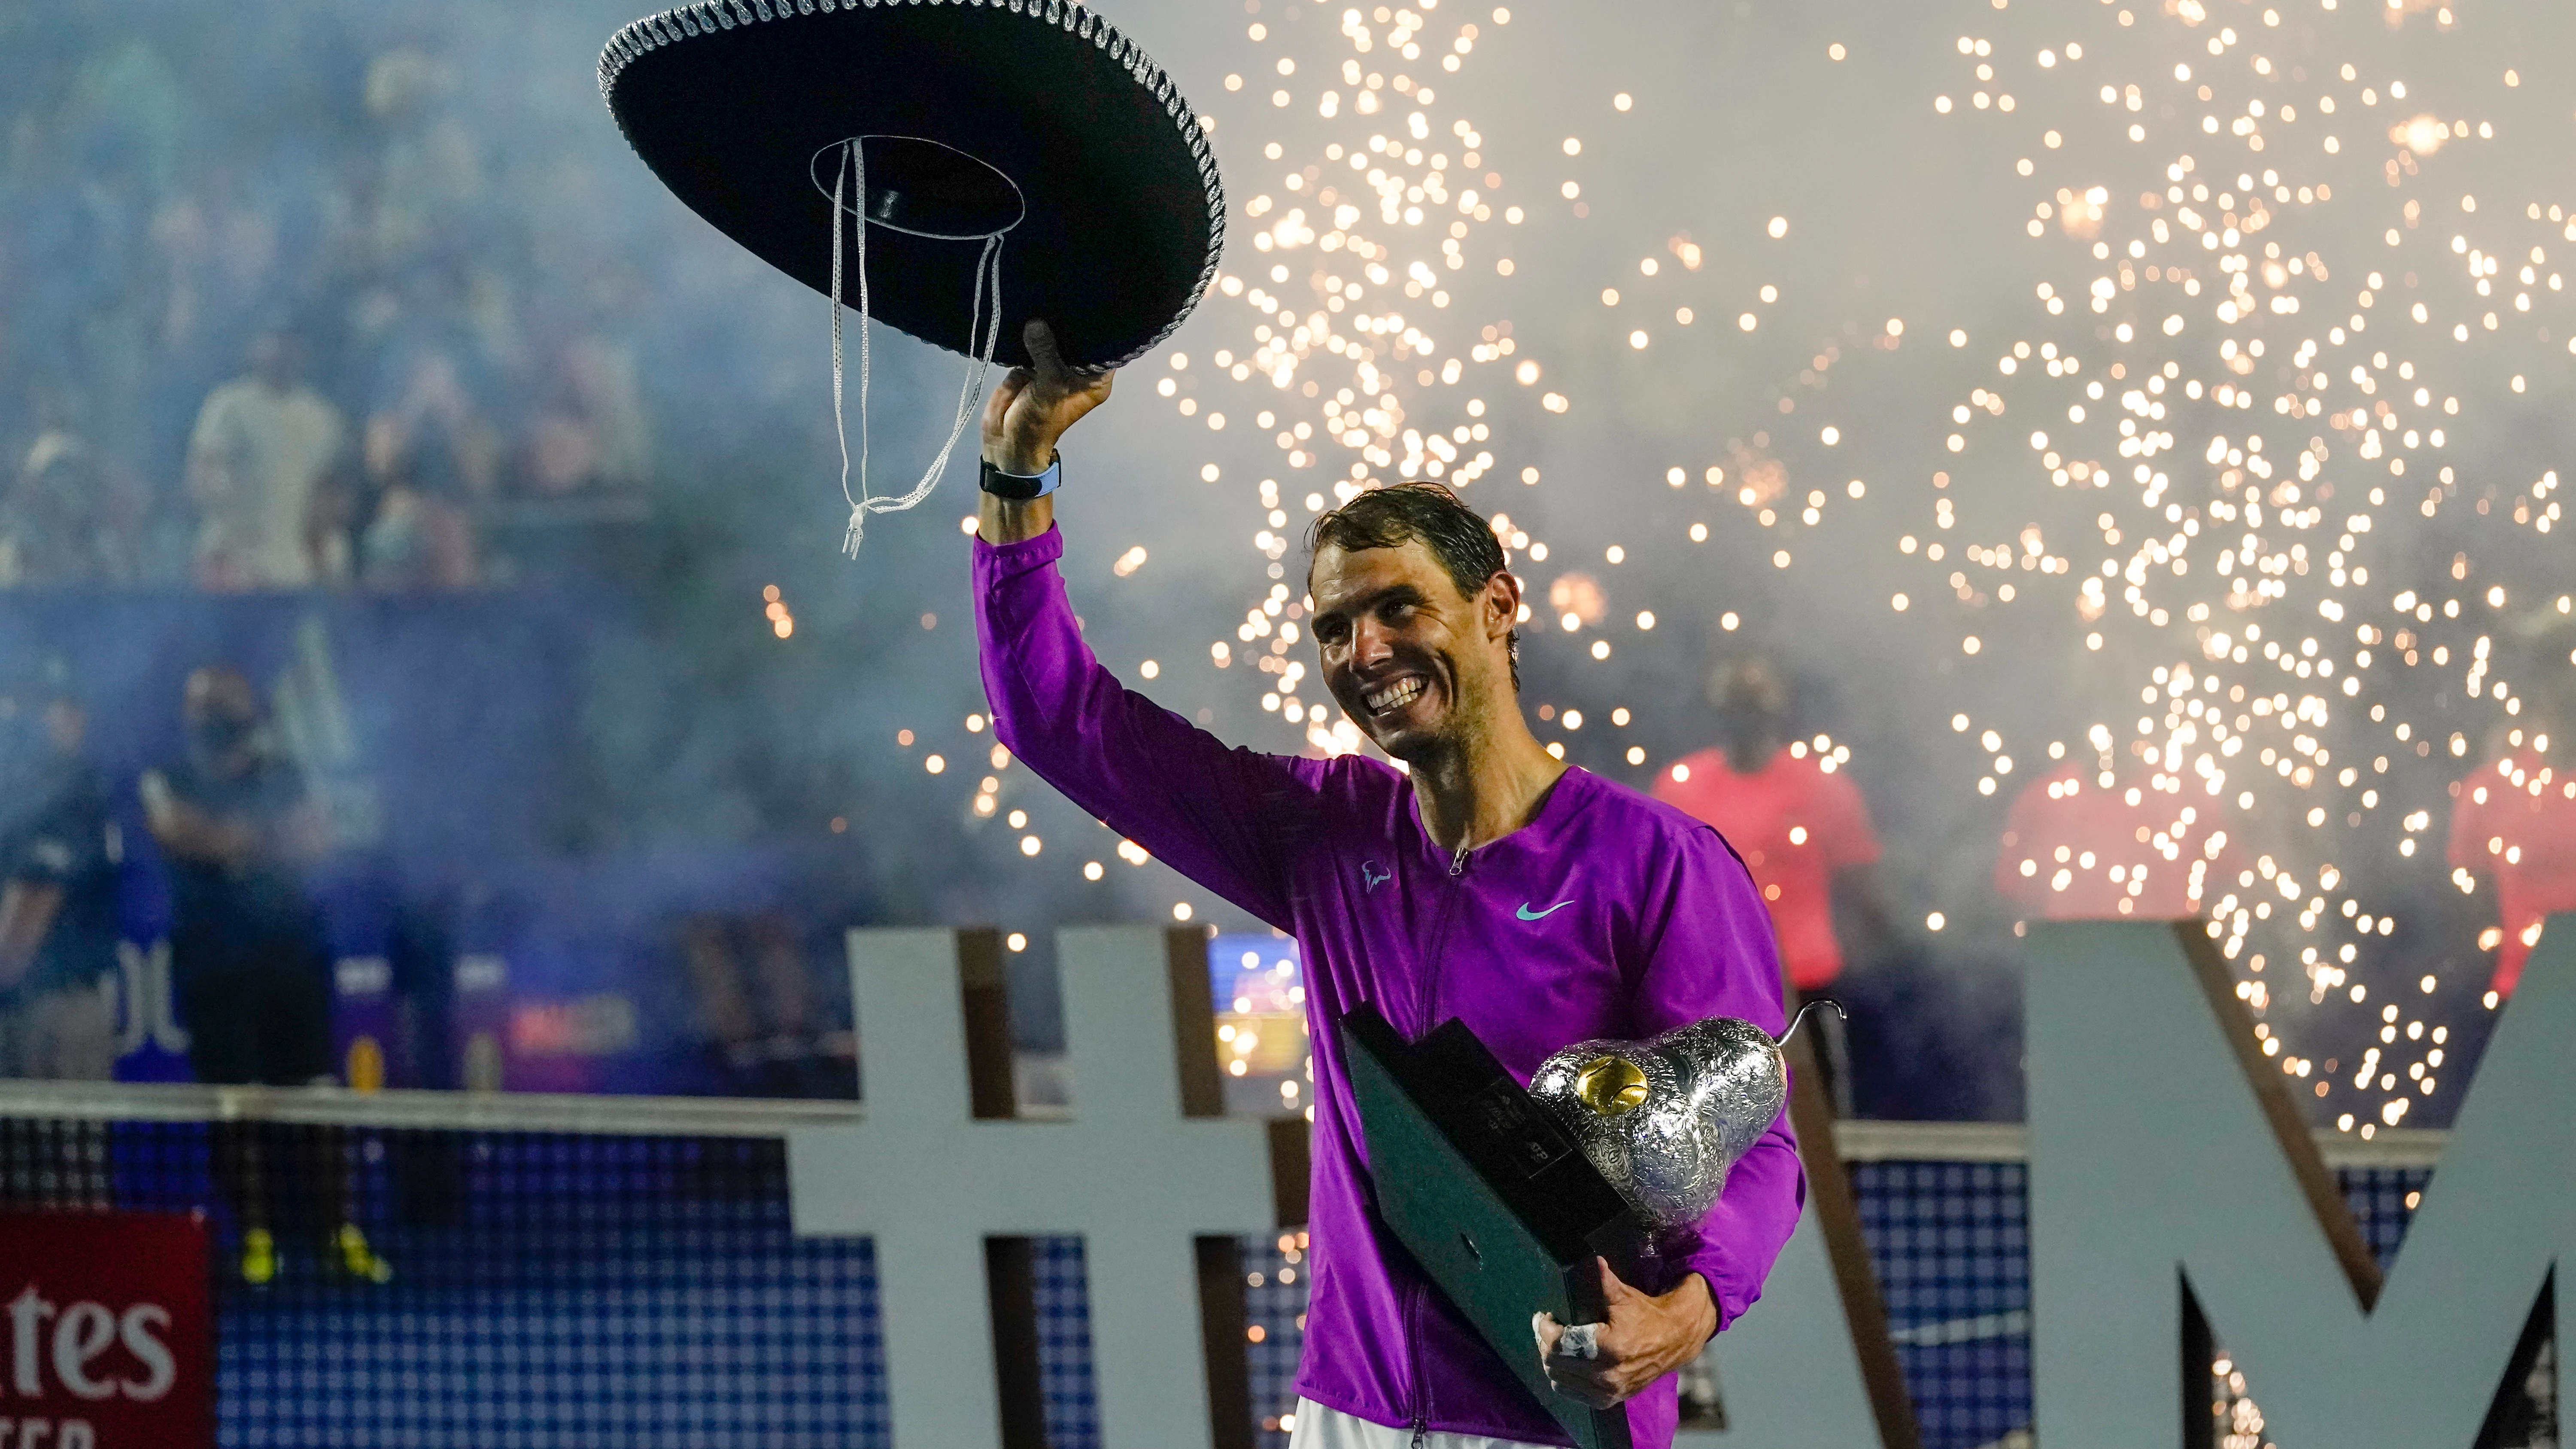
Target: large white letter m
pixel 2150 1157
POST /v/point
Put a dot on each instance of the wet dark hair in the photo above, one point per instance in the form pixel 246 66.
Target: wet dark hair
pixel 1400 513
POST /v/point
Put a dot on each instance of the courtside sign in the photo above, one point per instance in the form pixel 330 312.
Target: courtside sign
pixel 106 1332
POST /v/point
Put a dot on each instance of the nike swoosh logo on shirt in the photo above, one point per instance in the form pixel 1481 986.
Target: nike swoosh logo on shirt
pixel 1527 914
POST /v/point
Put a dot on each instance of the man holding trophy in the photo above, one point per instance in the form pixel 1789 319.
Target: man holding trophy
pixel 1509 1247
pixel 1531 903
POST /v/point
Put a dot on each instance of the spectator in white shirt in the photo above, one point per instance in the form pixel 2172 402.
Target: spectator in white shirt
pixel 264 469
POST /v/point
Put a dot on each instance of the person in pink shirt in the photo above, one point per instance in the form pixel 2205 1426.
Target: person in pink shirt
pixel 2075 849
pixel 2513 823
pixel 2105 833
pixel 1802 828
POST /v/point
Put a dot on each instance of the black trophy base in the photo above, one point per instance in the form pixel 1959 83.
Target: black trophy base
pixel 1492 1198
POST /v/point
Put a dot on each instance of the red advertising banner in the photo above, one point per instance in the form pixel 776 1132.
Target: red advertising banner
pixel 107 1337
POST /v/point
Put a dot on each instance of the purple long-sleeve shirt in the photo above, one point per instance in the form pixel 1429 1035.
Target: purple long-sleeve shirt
pixel 1608 915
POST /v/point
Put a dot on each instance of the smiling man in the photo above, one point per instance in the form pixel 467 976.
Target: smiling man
pixel 1488 882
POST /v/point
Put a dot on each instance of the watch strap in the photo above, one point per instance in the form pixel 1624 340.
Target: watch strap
pixel 1021 487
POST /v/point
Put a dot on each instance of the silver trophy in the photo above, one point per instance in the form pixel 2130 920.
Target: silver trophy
pixel 1663 1120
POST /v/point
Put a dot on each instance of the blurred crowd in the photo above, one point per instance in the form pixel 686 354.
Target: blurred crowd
pixel 288 318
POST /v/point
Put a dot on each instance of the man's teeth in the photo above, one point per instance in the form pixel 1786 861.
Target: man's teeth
pixel 1395 696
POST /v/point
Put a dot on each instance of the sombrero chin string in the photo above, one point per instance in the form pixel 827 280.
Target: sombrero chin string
pixel 852 170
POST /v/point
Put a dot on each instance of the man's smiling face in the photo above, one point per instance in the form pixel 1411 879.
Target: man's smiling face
pixel 1414 662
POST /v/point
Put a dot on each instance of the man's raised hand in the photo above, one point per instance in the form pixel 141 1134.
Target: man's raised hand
pixel 1033 406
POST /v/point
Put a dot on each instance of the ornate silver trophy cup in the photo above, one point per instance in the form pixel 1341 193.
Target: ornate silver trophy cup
pixel 1663 1120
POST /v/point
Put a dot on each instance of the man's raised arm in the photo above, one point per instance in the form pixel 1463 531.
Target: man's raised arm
pixel 1213 813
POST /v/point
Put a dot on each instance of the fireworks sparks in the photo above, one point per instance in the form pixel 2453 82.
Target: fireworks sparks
pixel 2247 349
pixel 1352 370
pixel 2273 345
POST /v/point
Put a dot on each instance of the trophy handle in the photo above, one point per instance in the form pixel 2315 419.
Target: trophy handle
pixel 1794 1022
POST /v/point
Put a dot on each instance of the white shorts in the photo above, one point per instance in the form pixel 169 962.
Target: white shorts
pixel 1322 1428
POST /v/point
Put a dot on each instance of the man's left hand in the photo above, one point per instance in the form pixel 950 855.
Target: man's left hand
pixel 1643 1338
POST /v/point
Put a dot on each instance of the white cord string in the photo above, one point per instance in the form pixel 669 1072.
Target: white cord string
pixel 851 155
pixel 983 335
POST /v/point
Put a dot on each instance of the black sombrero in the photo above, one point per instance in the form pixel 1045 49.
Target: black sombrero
pixel 1033 121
